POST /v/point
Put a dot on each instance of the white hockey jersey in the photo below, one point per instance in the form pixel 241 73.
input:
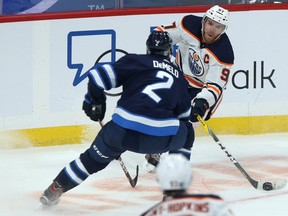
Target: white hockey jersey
pixel 206 66
pixel 191 205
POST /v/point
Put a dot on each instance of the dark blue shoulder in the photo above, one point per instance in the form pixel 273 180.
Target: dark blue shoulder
pixel 129 60
pixel 193 25
pixel 128 57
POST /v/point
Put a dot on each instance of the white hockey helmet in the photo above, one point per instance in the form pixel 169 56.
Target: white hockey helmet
pixel 174 172
pixel 218 14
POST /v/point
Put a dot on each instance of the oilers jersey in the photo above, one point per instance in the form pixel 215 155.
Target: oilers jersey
pixel 155 93
pixel 196 205
pixel 206 66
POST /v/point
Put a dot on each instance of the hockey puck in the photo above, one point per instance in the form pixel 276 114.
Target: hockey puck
pixel 267 186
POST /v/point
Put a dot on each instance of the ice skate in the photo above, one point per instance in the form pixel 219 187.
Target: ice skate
pixel 51 195
pixel 151 162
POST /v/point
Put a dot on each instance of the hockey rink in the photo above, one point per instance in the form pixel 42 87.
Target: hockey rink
pixel 25 173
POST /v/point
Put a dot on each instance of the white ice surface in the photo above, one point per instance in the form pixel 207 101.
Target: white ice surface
pixel 25 173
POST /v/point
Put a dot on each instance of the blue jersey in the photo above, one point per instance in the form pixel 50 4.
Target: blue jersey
pixel 155 93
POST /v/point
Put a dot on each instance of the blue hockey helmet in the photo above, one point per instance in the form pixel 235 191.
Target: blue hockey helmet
pixel 159 42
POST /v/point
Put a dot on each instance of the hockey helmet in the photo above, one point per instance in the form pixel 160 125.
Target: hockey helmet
pixel 218 14
pixel 174 172
pixel 159 43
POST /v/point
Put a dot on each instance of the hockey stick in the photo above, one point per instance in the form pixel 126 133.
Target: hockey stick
pixel 132 182
pixel 267 186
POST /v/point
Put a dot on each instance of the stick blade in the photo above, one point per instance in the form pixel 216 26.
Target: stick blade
pixel 277 185
pixel 134 181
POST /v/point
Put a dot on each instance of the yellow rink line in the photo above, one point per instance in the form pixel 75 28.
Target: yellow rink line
pixel 86 133
pixel 247 125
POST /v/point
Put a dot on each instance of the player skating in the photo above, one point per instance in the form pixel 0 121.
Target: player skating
pixel 206 56
pixel 151 116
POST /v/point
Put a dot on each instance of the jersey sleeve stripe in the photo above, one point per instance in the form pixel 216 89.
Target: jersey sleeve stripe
pixel 110 74
pixel 217 105
pixel 214 89
pixel 104 76
pixel 215 94
pixel 193 82
pixel 97 79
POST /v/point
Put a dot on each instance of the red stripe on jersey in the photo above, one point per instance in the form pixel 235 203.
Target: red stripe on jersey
pixel 214 89
pixel 193 82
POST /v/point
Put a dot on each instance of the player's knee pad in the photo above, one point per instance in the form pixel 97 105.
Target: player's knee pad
pixel 91 165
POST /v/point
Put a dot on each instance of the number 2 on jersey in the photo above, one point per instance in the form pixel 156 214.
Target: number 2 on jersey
pixel 149 90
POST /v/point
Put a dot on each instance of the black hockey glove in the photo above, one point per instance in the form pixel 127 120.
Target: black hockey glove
pixel 94 109
pixel 199 107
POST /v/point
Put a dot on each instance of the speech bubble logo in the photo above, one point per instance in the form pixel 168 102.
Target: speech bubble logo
pixel 83 47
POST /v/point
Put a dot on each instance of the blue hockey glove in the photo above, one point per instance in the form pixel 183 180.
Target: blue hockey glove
pixel 95 110
pixel 199 107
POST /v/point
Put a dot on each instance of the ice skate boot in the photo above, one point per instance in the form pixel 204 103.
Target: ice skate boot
pixel 51 195
pixel 151 162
